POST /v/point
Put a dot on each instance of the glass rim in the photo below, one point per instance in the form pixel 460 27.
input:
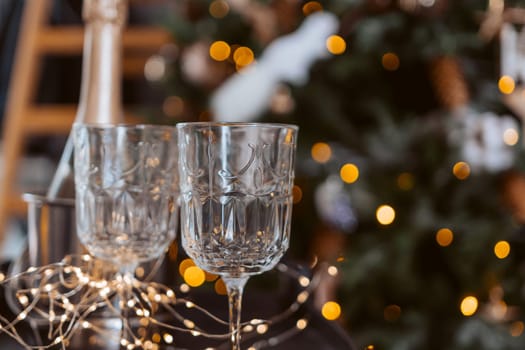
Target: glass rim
pixel 42 199
pixel 106 126
pixel 213 124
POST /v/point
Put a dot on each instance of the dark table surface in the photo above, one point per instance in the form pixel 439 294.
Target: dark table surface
pixel 257 303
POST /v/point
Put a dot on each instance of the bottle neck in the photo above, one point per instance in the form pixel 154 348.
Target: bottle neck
pixel 100 92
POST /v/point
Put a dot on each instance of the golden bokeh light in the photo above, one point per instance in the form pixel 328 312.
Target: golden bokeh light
pixel 194 276
pixel 220 287
pixel 243 56
pixel 321 152
pixel 335 44
pixel 173 106
pixel 392 313
pixel 220 50
pixel 502 249
pixel 301 323
pixel 331 310
pixel 510 136
pixel 219 8
pixel 506 85
pixel 405 181
pixel 311 7
pixel 390 61
pixel 210 277
pixel 385 214
pixel 349 173
pixel 461 170
pixel 444 237
pixel 156 337
pixel 469 305
pixel 517 328
pixel 297 194
pixel 370 347
pixel 168 338
pixel 184 264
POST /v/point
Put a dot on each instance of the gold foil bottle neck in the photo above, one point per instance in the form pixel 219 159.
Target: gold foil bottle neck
pixel 114 11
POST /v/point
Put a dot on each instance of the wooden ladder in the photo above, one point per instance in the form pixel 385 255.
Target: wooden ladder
pixel 23 117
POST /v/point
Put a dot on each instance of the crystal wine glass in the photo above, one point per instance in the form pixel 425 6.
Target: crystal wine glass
pixel 126 191
pixel 236 200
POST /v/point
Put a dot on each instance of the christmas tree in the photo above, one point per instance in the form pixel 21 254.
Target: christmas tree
pixel 409 176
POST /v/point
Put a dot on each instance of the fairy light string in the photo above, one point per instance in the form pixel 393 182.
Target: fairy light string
pixel 76 293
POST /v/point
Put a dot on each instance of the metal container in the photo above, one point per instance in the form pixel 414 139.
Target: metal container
pixel 51 229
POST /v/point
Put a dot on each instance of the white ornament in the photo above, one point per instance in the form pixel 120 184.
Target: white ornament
pixel 287 59
pixel 482 143
pixel 512 52
pixel 334 204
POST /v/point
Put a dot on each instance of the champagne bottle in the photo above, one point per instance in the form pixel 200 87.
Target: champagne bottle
pixel 100 92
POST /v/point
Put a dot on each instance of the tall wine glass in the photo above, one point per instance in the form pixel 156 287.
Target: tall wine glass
pixel 236 200
pixel 126 191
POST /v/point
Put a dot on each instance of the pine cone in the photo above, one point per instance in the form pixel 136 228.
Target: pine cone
pixel 514 194
pixel 449 82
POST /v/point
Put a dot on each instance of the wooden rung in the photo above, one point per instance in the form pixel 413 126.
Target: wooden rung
pixel 17 205
pixel 68 40
pixel 133 66
pixel 141 39
pixel 48 119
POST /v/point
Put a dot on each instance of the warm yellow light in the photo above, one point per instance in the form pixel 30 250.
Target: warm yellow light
pixel 194 276
pixel 311 7
pixel 390 61
pixel 349 173
pixel 262 328
pixel 510 136
pixel 335 44
pixel 184 264
pixel 385 214
pixel 220 50
pixel 506 84
pixel 219 9
pixel 184 288
pixel 331 310
pixel 321 152
pixel 220 287
pixel 297 194
pixel 444 237
pixel 405 181
pixel 156 338
pixel 469 305
pixel 370 347
pixel 517 328
pixel 301 323
pixel 243 56
pixel 502 249
pixel 392 313
pixel 168 338
pixel 461 170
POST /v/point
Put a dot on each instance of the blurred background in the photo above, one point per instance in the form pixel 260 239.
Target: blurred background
pixel 411 177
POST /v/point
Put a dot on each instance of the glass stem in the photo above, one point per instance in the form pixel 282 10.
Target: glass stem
pixel 235 288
